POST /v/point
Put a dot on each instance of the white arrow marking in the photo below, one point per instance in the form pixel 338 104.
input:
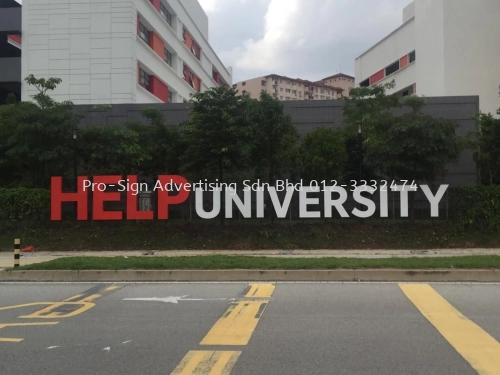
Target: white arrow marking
pixel 107 349
pixel 176 299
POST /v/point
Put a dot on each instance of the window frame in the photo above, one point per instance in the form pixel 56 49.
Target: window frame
pixel 144 29
pixel 145 79
pixel 165 13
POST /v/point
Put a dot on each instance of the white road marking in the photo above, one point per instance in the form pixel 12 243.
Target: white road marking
pixel 176 300
pixel 107 349
pixel 52 347
pixel 126 342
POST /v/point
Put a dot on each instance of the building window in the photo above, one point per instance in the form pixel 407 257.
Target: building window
pixel 144 33
pixel 406 93
pixel 294 92
pixel 413 56
pixel 294 83
pixel 393 68
pixel 365 83
pixel 243 84
pixel 281 89
pixel 170 97
pixel 166 14
pixel 287 98
pixel 322 90
pixel 263 83
pixel 192 79
pixel 144 79
pixel 288 90
pixel 244 92
pixel 168 57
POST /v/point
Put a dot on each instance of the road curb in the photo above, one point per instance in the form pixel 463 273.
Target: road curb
pixel 398 275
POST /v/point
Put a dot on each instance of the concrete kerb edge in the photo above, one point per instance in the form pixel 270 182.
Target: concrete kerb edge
pixel 395 275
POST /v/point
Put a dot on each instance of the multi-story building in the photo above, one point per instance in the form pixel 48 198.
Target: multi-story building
pixel 443 48
pixel 10 52
pixel 120 51
pixel 285 88
pixel 340 80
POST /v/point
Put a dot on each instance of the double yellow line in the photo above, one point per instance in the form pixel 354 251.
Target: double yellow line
pixel 234 328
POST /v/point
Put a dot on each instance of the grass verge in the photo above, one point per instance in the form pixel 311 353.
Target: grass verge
pixel 221 262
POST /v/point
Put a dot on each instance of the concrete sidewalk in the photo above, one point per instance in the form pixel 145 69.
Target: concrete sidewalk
pixel 7 259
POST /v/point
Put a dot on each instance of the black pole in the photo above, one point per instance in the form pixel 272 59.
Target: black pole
pixel 360 151
pixel 75 165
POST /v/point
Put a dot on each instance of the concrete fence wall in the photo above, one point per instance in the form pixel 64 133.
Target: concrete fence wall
pixel 309 115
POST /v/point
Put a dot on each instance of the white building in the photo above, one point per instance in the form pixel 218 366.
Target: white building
pixel 120 51
pixel 443 48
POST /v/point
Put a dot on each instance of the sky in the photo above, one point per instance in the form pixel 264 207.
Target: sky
pixel 308 39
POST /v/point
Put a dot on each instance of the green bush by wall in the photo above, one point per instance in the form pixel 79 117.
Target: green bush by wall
pixel 22 205
pixel 477 208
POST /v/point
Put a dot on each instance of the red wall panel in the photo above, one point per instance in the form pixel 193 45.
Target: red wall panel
pixel 158 88
pixel 377 77
pixel 156 44
pixel 156 4
pixel 15 38
pixel 403 62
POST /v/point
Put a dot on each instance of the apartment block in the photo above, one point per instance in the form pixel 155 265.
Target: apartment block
pixel 120 51
pixel 10 49
pixel 442 48
pixel 340 80
pixel 285 88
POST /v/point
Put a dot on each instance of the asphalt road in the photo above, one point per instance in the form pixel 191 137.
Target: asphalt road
pixel 242 329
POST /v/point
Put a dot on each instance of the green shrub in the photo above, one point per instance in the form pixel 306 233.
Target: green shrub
pixel 477 207
pixel 22 205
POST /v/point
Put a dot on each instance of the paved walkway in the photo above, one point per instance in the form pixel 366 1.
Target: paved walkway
pixel 7 258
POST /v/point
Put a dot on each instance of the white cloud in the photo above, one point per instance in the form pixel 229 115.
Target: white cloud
pixel 300 38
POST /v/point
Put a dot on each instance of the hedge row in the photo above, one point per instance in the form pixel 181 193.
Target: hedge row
pixel 24 205
pixel 476 208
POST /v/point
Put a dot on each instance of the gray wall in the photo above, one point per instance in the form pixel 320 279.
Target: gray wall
pixel 308 115
pixel 10 20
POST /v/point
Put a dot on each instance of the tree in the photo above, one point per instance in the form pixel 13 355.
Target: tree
pixel 273 135
pixel 414 146
pixel 487 148
pixel 36 137
pixel 218 133
pixel 110 150
pixel 323 155
pixel 161 142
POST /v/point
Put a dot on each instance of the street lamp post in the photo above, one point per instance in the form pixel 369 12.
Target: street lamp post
pixel 360 151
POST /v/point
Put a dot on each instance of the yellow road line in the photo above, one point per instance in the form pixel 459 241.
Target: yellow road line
pixel 3 325
pixel 207 363
pixel 110 288
pixel 473 343
pixel 236 326
pixel 260 291
pixel 6 339
pixel 72 298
